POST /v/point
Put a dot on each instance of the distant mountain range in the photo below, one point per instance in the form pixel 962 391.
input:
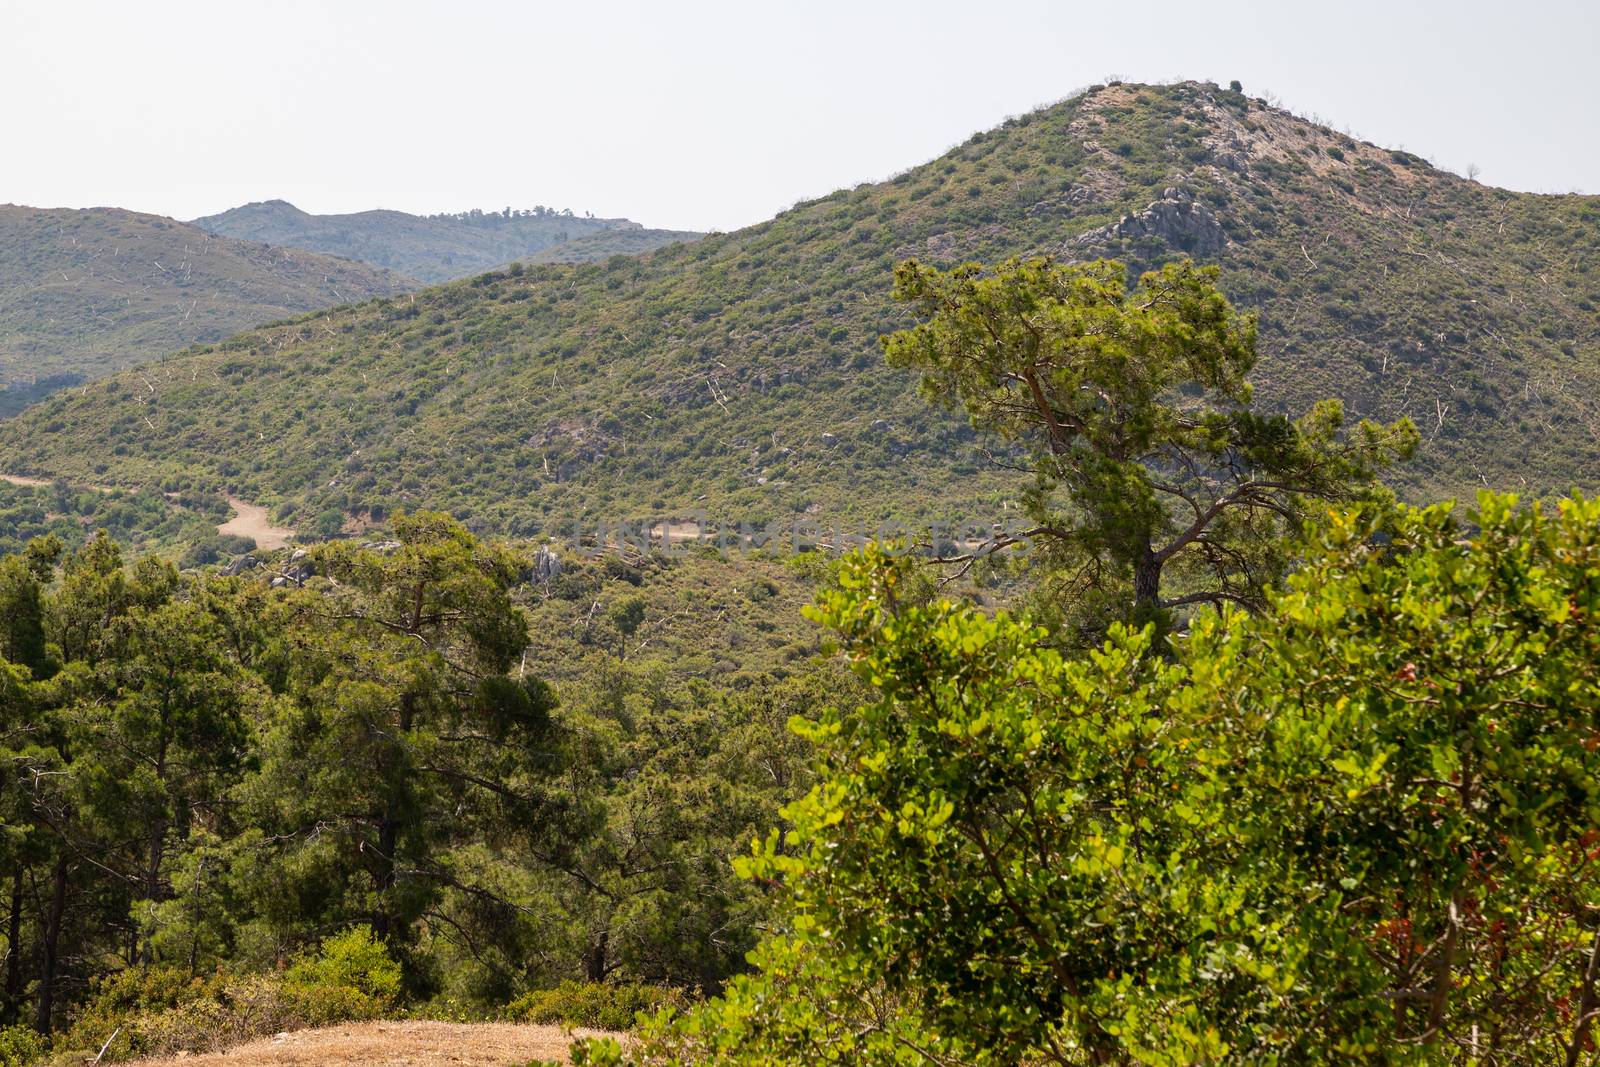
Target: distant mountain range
pixel 741 374
pixel 85 292
pixel 438 248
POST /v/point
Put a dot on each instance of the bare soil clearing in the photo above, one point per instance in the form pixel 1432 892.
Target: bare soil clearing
pixel 394 1044
pixel 251 521
pixel 31 483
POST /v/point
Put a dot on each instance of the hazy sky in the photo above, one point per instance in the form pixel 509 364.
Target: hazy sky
pixel 699 115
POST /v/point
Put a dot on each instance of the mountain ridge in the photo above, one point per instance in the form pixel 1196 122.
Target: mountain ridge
pixel 740 374
pixel 86 290
pixel 433 248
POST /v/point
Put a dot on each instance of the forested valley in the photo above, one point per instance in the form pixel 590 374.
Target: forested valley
pixel 202 772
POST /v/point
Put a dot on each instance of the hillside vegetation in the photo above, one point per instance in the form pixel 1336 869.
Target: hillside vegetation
pixel 144 520
pixel 90 291
pixel 618 242
pixel 438 248
pixel 741 374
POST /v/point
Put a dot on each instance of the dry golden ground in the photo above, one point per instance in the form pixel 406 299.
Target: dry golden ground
pixel 250 520
pixel 393 1044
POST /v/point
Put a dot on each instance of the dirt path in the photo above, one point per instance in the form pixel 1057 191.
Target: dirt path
pixel 45 483
pixel 251 521
pixel 31 483
pixel 393 1044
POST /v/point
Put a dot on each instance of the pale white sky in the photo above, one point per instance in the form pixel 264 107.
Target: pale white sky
pixel 697 115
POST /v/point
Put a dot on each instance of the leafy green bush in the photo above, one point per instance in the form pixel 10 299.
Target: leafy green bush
pixel 21 1046
pixel 600 1005
pixel 217 548
pixel 158 1011
pixel 1358 827
pixel 125 1000
pixel 355 959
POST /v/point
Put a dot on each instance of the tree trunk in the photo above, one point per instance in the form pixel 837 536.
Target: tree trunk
pixel 1443 970
pixel 1146 585
pixel 388 834
pixel 1586 1005
pixel 152 884
pixel 158 840
pixel 594 960
pixel 14 948
pixel 389 822
pixel 52 944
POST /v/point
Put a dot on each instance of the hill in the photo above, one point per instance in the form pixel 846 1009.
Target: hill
pixel 608 243
pixel 90 291
pixel 741 375
pixel 437 248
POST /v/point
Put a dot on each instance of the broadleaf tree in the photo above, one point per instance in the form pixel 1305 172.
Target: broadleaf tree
pixel 1359 826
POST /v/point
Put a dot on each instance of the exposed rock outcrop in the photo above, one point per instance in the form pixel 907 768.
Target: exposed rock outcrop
pixel 546 565
pixel 1178 220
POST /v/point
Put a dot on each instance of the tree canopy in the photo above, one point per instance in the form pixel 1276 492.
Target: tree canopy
pixel 203 778
pixel 1154 481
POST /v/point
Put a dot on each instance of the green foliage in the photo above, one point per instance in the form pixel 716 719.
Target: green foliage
pixel 729 621
pixel 599 1006
pixel 626 616
pixel 1358 827
pixel 21 1046
pixel 1148 461
pixel 205 775
pixel 162 1011
pixel 355 959
pixel 621 241
pixel 218 548
pixel 144 520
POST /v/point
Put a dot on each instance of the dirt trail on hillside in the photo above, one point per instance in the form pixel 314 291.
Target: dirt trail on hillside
pixel 251 521
pixel 393 1044
pixel 45 483
pixel 32 483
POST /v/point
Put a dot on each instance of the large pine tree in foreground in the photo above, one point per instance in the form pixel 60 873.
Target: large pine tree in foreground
pixel 1154 483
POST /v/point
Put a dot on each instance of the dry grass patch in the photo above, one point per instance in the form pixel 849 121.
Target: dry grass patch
pixel 394 1044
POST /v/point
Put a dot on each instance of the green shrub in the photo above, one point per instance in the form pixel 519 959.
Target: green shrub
pixel 355 959
pixel 124 1002
pixel 599 1005
pixel 217 548
pixel 21 1046
pixel 161 1011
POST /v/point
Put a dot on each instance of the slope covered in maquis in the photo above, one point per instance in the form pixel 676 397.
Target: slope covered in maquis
pixel 85 292
pixel 741 375
pixel 441 248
